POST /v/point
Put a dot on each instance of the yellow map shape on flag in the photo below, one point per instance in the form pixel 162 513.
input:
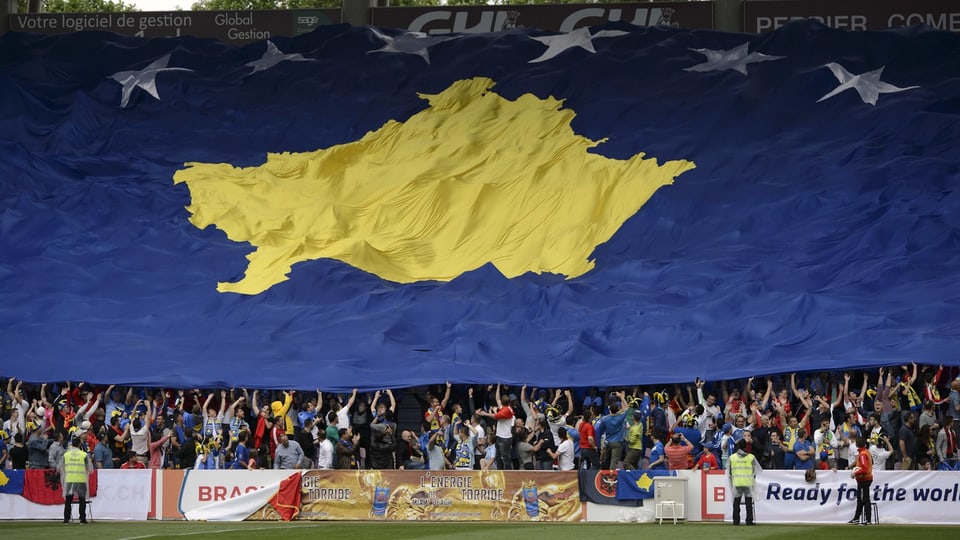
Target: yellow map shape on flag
pixel 644 482
pixel 472 179
pixel 3 478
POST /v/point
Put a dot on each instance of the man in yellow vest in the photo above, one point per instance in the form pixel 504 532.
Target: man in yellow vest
pixel 742 469
pixel 75 468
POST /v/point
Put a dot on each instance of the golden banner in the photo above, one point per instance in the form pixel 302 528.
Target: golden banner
pixel 440 495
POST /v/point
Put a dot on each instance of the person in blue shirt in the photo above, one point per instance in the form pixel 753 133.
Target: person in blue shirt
pixel 804 451
pixel 658 458
pixel 242 453
pixel 613 426
pixel 593 399
pixel 102 454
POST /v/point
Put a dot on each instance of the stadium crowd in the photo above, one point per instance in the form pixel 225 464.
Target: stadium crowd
pixel 906 413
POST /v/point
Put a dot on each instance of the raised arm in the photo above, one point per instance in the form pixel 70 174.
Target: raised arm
pixel 234 405
pixel 781 411
pixel 43 395
pixel 623 402
pixel 446 397
pixel 569 395
pixel 223 402
pixel 93 406
pixel 838 401
pixel 499 401
pixel 863 387
pixel 352 400
pixel 806 419
pixel 766 394
pixel 804 397
pixel 472 406
pixel 206 403
pixel 701 399
pixel 149 419
pixel 254 407
pixel 393 401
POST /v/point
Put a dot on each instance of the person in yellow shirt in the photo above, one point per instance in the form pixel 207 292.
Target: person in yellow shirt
pixel 75 469
pixel 634 441
pixel 281 408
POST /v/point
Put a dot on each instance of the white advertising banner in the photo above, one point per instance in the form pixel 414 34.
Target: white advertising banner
pixel 929 497
pixel 121 495
pixel 202 488
pixel 237 508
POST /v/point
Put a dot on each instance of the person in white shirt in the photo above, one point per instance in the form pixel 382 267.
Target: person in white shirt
pixel 554 419
pixel 880 455
pixel 480 436
pixel 139 433
pixel 12 426
pixel 324 454
pixel 565 451
pixel 711 411
pixel 826 442
pixel 343 412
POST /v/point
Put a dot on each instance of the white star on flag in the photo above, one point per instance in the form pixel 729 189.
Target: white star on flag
pixel 145 78
pixel 415 43
pixel 868 84
pixel 737 59
pixel 273 56
pixel 577 38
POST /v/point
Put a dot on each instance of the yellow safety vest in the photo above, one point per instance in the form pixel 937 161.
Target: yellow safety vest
pixel 741 470
pixel 75 466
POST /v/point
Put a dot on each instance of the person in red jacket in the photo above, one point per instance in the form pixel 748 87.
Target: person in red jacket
pixel 863 474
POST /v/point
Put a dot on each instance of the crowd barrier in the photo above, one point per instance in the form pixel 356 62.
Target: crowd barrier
pixel 781 496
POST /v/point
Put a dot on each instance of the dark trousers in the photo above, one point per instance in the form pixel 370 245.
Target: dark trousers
pixel 612 455
pixel 589 458
pixel 633 458
pixel 863 501
pixel 736 510
pixel 67 511
pixel 504 453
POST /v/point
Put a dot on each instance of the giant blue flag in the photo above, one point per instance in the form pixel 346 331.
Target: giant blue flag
pixel 362 207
